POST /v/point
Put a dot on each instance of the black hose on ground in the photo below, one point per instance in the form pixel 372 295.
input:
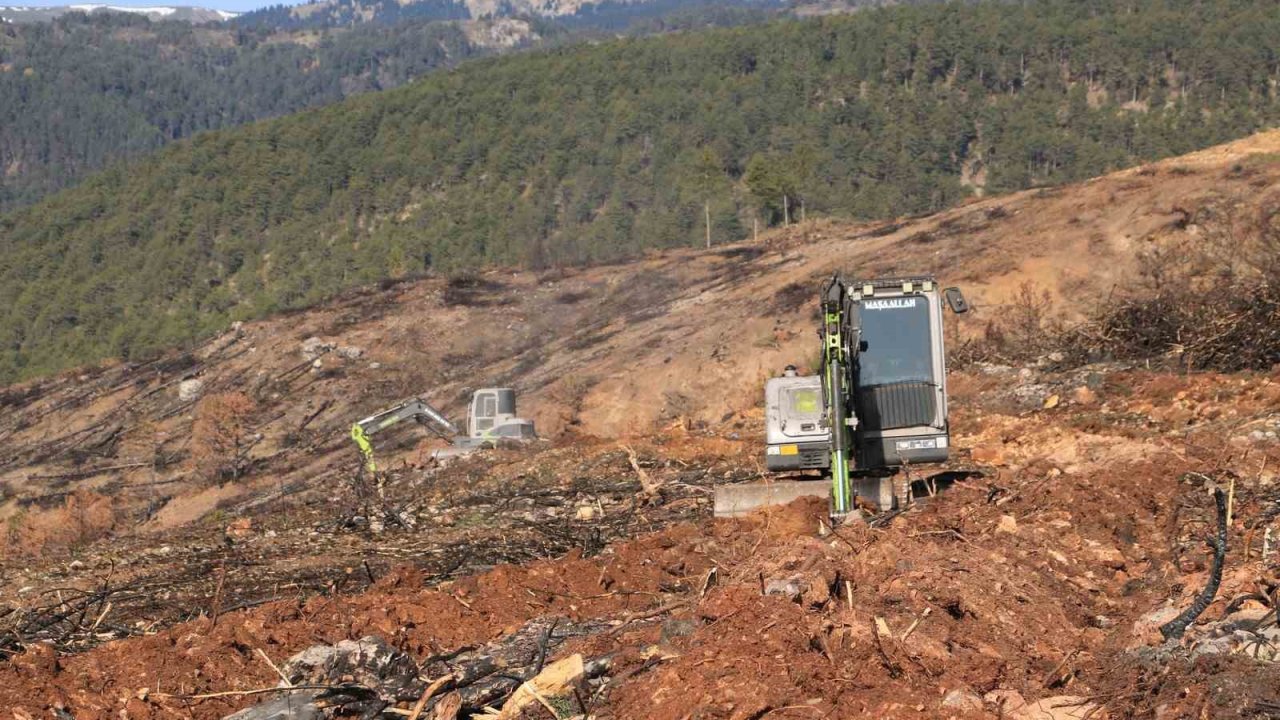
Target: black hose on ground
pixel 1177 626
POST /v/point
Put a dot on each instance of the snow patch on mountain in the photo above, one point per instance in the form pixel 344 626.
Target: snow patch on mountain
pixel 27 13
pixel 123 8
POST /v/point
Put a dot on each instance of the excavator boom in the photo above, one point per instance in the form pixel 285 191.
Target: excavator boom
pixel 416 409
pixel 492 419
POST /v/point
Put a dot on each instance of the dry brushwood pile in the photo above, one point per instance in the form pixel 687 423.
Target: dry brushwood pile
pixel 192 536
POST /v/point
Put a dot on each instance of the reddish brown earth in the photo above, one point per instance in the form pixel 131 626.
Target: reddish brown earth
pixel 1033 579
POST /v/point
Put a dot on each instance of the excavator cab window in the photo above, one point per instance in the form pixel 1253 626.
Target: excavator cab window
pixel 485 410
pixel 897 339
pixel 803 409
pixel 805 402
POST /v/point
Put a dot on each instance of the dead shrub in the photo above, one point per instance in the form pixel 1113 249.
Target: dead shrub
pixel 572 297
pixel 220 436
pixel 793 296
pixel 471 290
pixel 1206 300
pixel 83 517
pixel 1211 302
pixel 572 392
pixel 1236 328
pixel 1024 330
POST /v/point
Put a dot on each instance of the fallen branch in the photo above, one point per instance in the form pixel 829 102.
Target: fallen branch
pixel 267 659
pixel 1177 626
pixel 648 486
pixel 427 694
pixel 80 474
pixel 244 693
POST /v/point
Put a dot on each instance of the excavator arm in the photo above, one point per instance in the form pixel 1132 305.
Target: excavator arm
pixel 840 346
pixel 416 409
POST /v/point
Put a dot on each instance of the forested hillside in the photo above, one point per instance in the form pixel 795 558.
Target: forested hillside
pixel 598 152
pixel 83 91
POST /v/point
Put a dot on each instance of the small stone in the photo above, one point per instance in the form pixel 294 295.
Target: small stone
pixel 189 390
pixel 350 352
pixel 1052 402
pixel 586 512
pixel 240 528
pixel 1084 396
pixel 962 700
pixel 314 347
pixel 677 628
pixel 1061 707
pixel 808 589
pixel 1109 556
pixel 788 588
pixel 37 656
pixel 1146 629
pixel 1007 524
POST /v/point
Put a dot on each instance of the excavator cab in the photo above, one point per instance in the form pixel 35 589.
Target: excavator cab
pixel 899 375
pixel 493 416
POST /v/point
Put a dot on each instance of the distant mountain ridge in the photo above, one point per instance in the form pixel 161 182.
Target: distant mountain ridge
pixel 601 14
pixel 183 13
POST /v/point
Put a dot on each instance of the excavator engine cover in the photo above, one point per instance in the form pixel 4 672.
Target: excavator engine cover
pixel 797 434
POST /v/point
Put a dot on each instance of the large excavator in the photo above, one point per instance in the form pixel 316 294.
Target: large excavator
pixel 492 418
pixel 878 403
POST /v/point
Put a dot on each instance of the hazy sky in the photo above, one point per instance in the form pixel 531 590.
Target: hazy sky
pixel 233 5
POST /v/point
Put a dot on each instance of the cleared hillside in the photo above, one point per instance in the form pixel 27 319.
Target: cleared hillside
pixel 683 336
pixel 597 153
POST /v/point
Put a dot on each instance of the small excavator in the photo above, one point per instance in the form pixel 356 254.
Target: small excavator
pixel 491 419
pixel 878 404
